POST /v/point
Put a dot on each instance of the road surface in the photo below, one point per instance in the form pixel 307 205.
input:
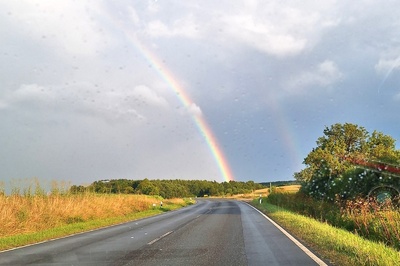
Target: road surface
pixel 211 232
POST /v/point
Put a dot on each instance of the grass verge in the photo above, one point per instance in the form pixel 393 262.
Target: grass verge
pixel 338 246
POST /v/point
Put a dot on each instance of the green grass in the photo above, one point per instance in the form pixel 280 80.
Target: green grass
pixel 335 245
pixel 79 227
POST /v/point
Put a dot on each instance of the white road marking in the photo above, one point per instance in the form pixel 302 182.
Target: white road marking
pixel 301 246
pixel 158 238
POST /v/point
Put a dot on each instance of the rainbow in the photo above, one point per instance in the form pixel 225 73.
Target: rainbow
pixel 186 101
pixel 395 65
pixel 183 97
pixel 288 138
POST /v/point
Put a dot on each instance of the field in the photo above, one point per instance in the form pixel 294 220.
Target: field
pixel 265 192
pixel 288 189
pixel 32 218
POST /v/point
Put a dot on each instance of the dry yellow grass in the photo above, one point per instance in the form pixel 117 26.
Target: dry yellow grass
pixel 25 214
pixel 290 188
pixel 255 194
pixel 265 191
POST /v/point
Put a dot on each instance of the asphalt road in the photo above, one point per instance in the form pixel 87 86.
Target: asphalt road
pixel 211 232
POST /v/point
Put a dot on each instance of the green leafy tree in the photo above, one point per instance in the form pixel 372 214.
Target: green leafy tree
pixel 170 188
pixel 74 189
pixel 383 148
pixel 148 188
pixel 332 169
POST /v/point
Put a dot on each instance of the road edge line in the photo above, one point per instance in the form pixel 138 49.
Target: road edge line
pixel 292 238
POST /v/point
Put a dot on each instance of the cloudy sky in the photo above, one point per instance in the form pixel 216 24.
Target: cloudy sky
pixel 94 89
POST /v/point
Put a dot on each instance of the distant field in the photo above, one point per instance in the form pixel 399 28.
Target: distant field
pixel 265 191
pixel 261 191
pixel 291 188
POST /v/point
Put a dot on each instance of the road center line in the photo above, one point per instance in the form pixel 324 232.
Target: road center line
pixel 158 238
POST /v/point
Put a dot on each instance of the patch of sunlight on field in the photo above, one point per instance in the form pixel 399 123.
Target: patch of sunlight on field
pixel 265 192
pixel 290 188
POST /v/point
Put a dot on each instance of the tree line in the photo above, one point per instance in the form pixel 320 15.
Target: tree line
pixel 169 188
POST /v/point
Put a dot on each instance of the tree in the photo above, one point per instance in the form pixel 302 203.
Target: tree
pixel 171 188
pixel 383 148
pixel 148 188
pixel 75 189
pixel 331 168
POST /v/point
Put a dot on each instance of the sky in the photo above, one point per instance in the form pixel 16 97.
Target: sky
pixel 210 90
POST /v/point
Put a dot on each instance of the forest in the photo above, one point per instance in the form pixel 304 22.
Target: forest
pixel 169 188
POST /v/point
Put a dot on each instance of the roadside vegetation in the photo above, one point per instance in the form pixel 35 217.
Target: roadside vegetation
pixel 34 216
pixel 349 162
pixel 351 181
pixel 336 245
pixel 347 207
pixel 31 213
pixel 370 220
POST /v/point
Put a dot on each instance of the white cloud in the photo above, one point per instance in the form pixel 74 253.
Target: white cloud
pixel 278 28
pixel 148 96
pixel 323 75
pixel 263 36
pixel 31 92
pixel 194 110
pixel 182 27
pixel 62 24
pixel 157 28
pixel 385 66
pixel 85 98
pixel 134 16
pixel 153 6
pixel 272 27
pixel 327 73
pixel 29 95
